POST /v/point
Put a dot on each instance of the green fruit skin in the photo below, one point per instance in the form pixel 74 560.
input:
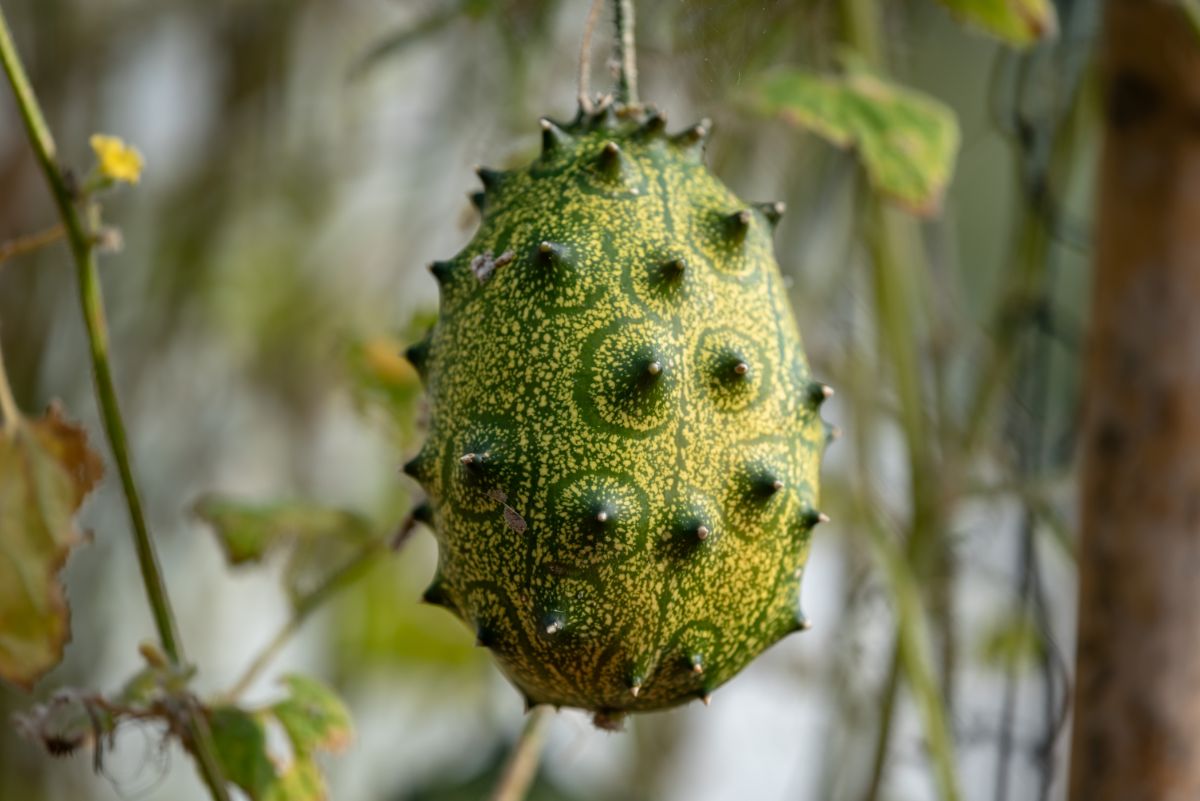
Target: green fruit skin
pixel 622 466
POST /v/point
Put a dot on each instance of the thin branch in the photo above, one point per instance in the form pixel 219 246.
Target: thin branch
pixel 625 53
pixel 585 57
pixel 347 573
pixel 522 763
pixel 92 303
pixel 31 242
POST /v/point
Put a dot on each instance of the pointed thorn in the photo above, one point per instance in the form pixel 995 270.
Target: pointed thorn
pixel 674 269
pixel 441 270
pixel 702 532
pixel 697 663
pixel 654 126
pixel 706 699
pixel 554 138
pixel 635 690
pixel 484 636
pixel 602 517
pixel 416 467
pixel 741 368
pixel 737 225
pixel 554 627
pixel 468 459
pixel 654 368
pixel 818 393
pixel 805 623
pixel 773 212
pixel 418 354
pixel 693 138
pixel 491 179
pixel 435 594
pixel 610 160
pixel 776 485
pixel 811 517
pixel 552 253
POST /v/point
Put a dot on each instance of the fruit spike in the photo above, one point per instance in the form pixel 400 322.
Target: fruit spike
pixel 491 179
pixel 610 162
pixel 553 254
pixel 418 354
pixel 654 126
pixel 554 138
pixel 737 225
pixel 818 393
pixel 773 212
pixel 693 140
pixel 613 483
pixel 672 270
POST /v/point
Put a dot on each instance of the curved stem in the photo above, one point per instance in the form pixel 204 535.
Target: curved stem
pixel 585 57
pixel 350 571
pixel 625 52
pixel 92 302
pixel 522 763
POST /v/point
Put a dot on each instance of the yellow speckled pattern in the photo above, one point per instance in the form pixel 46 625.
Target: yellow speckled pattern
pixel 624 447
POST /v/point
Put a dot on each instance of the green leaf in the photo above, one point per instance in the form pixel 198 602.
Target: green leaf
pixel 240 738
pixel 907 141
pixel 249 531
pixel 1017 22
pixel 313 716
pixel 46 470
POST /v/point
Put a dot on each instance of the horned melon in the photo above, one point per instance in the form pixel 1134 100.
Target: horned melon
pixel 622 463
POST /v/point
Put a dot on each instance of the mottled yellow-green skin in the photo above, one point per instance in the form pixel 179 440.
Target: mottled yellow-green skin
pixel 633 517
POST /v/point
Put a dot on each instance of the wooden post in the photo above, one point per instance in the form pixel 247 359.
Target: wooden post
pixel 1137 697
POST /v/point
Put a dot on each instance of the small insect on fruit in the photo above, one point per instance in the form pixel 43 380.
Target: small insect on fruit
pixel 625 439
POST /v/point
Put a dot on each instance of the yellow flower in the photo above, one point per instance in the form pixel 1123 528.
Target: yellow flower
pixel 117 160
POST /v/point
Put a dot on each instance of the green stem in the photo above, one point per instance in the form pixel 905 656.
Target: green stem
pixel 92 303
pixel 522 763
pixel 897 276
pixel 626 53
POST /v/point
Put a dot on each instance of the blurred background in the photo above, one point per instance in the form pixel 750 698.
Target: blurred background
pixel 306 158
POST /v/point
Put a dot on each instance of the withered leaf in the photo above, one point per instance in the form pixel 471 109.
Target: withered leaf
pixel 46 470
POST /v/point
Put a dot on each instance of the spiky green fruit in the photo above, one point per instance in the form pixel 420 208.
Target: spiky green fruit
pixel 624 447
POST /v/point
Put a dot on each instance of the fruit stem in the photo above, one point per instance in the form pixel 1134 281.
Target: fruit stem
pixel 9 413
pixel 585 57
pixel 522 763
pixel 91 300
pixel 625 53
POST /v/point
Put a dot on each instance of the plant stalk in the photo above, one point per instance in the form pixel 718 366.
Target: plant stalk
pixel 92 303
pixel 9 413
pixel 522 763
pixel 345 574
pixel 625 52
